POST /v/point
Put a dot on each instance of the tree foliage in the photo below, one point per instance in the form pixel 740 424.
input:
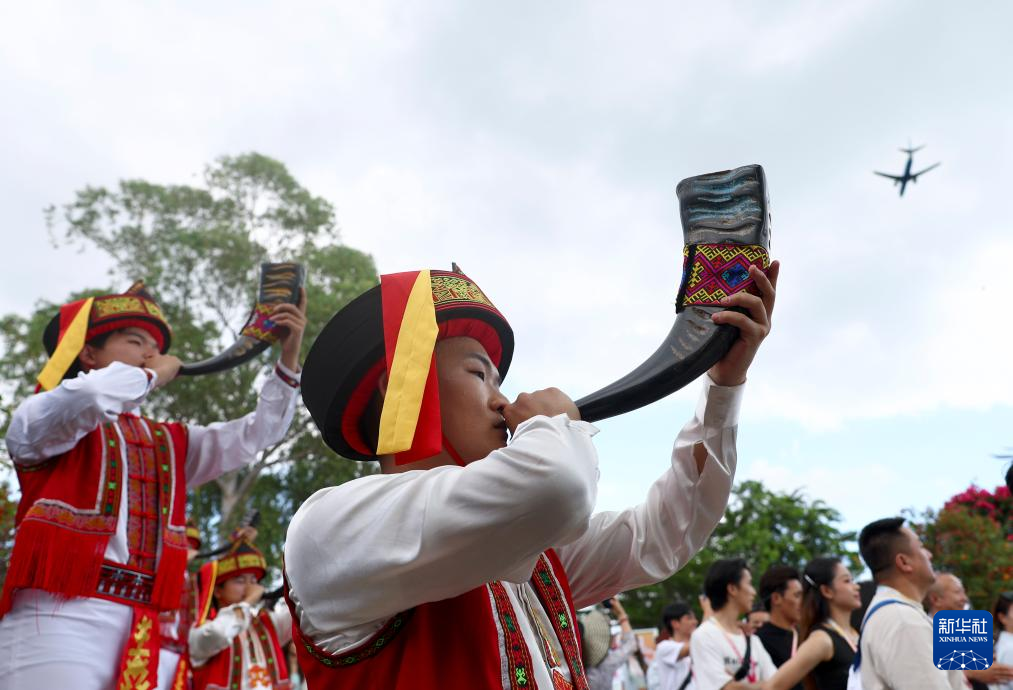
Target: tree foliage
pixel 199 249
pixel 972 537
pixel 764 527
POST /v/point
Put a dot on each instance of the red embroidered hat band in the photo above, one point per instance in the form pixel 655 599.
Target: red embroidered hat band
pixel 242 558
pixel 79 322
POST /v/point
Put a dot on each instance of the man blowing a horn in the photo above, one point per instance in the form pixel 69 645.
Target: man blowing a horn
pixel 461 565
pixel 101 541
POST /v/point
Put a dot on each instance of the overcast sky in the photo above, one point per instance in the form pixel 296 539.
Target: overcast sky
pixel 539 145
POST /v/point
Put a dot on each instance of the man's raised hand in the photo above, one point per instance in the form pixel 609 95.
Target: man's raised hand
pixel 549 402
pixel 753 326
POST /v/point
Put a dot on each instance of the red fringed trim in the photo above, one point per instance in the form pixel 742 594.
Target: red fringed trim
pixel 41 557
pixel 168 587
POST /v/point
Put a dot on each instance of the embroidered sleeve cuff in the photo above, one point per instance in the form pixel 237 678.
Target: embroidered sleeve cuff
pixel 289 377
pixel 718 407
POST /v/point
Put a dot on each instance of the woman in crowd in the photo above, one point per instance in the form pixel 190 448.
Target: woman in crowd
pixel 828 640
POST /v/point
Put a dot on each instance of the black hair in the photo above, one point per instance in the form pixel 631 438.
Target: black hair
pixel 673 612
pixel 880 542
pixel 815 607
pixel 99 341
pixel 723 572
pixel 775 581
pixel 866 591
pixel 1003 605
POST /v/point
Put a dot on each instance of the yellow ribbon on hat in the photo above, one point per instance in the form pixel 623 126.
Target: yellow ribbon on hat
pixel 67 349
pixel 409 370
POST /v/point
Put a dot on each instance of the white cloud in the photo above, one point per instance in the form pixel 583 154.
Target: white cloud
pixel 539 147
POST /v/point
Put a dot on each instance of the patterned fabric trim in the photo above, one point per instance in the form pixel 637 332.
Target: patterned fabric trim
pixel 550 593
pixel 124 585
pixel 260 326
pixel 121 305
pixel 235 663
pixel 143 499
pixel 711 272
pixel 227 566
pixel 560 683
pixel 102 518
pixel 173 534
pixel 139 666
pixel 259 628
pixel 451 290
pixel 368 648
pixel 520 671
pixel 294 383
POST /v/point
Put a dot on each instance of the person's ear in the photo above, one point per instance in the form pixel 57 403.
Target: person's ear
pixel 827 592
pixel 87 358
pixel 902 563
pixel 775 599
pixel 381 383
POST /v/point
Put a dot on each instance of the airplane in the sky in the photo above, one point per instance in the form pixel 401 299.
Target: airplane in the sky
pixel 907 176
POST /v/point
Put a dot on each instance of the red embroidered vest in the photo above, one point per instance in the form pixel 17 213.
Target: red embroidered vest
pixel 469 642
pixel 225 669
pixel 70 505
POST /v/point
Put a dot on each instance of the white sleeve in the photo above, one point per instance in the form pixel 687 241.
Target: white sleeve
pixel 708 662
pixel 223 447
pixel 667 652
pixel 370 548
pixel 281 616
pixel 648 543
pixel 50 423
pixel 215 635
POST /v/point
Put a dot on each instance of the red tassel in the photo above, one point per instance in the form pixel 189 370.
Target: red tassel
pixel 168 588
pixel 41 559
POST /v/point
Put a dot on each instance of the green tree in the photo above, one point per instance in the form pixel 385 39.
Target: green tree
pixel 764 527
pixel 972 537
pixel 199 250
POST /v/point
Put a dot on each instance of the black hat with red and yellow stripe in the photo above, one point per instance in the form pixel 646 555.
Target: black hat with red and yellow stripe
pixel 394 327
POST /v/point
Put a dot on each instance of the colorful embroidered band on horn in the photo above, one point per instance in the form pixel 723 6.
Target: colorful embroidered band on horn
pixel 711 272
pixel 74 319
pixel 410 425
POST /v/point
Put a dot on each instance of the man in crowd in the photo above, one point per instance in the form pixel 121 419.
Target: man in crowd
pixel 896 641
pixel 672 665
pixel 781 594
pixel 723 657
pixel 947 594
